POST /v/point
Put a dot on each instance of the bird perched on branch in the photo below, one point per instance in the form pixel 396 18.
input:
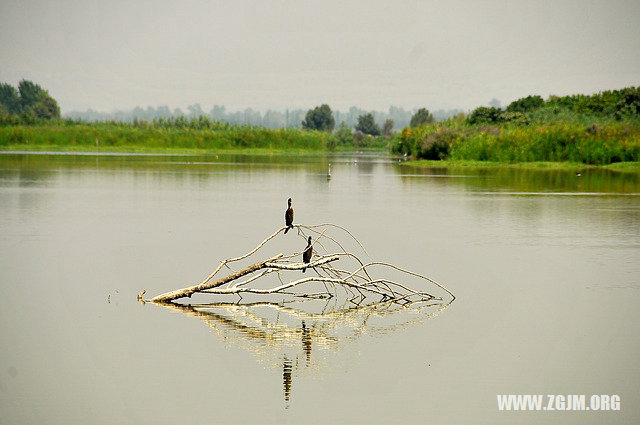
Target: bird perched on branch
pixel 306 255
pixel 288 217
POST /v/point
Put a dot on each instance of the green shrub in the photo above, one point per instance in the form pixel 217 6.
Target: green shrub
pixel 525 104
pixel 436 145
pixel 484 115
pixel 517 118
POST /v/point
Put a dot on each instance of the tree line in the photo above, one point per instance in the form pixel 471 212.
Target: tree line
pixel 28 102
pixel 622 104
pixel 321 118
pixel 289 118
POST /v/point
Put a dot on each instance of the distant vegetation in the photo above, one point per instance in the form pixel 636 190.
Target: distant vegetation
pixel 599 129
pixel 23 125
pixel 289 118
pixel 160 135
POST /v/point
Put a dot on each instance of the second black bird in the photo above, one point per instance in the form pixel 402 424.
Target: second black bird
pixel 306 255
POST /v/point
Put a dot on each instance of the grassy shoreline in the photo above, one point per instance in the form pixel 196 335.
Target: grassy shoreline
pixel 113 137
pixel 632 167
pixel 509 143
pixel 558 146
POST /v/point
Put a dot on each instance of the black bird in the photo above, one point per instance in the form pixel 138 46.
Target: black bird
pixel 288 217
pixel 306 255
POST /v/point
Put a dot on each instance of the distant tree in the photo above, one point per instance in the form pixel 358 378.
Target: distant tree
pixel 525 104
pixel 195 110
pixel 445 114
pixel 30 101
pixel 352 115
pixel 423 116
pixel 30 93
pixel 252 117
pixel 495 103
pixel 9 98
pixel 137 114
pixel 35 101
pixel 367 125
pixel 163 112
pixel 46 108
pixel 319 118
pixel 218 112
pixel 387 127
pixel 294 118
pixel 400 116
pixel 273 119
pixel 485 115
pixel 628 103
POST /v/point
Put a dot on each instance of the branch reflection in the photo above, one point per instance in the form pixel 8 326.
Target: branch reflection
pixel 298 335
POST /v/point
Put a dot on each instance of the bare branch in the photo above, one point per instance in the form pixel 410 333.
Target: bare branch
pixel 187 292
pixel 359 283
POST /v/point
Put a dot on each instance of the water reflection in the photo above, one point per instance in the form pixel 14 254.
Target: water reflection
pixel 29 169
pixel 37 169
pixel 300 336
pixel 149 162
pixel 515 180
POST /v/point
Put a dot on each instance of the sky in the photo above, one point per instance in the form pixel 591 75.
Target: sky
pixel 274 54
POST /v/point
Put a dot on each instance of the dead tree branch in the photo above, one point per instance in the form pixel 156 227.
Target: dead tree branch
pixel 355 277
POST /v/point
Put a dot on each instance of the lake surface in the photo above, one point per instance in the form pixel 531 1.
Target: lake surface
pixel 545 267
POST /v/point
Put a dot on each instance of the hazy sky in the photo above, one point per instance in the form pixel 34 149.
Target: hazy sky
pixel 277 54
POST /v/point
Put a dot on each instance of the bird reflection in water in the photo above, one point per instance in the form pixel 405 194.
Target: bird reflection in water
pixel 282 334
pixel 286 378
pixel 287 368
pixel 306 342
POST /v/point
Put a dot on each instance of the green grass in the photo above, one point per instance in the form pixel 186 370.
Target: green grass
pixel 109 137
pixel 119 137
pixel 507 143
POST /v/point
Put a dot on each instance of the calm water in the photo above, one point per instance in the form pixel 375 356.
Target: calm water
pixel 545 267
